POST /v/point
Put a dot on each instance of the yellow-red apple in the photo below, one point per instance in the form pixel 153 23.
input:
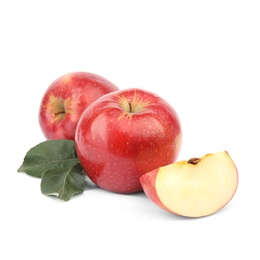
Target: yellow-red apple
pixel 66 98
pixel 194 188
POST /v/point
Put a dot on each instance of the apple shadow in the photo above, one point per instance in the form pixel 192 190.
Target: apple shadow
pixel 89 185
pixel 148 208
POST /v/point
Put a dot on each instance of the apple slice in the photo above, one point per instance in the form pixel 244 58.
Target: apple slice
pixel 194 188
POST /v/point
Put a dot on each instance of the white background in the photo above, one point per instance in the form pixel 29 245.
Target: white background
pixel 203 57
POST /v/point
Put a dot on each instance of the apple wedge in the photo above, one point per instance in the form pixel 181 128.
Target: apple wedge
pixel 194 188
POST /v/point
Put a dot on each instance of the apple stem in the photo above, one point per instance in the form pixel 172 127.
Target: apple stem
pixel 194 160
pixel 130 106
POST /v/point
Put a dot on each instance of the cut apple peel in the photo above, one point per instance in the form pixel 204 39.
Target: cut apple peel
pixel 194 188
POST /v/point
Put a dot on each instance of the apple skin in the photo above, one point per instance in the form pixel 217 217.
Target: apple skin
pixel 65 100
pixel 198 182
pixel 148 183
pixel 116 144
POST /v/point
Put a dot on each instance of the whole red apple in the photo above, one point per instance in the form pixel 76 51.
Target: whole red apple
pixel 66 98
pixel 125 134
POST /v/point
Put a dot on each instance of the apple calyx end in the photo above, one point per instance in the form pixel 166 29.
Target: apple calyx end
pixel 194 160
pixel 58 107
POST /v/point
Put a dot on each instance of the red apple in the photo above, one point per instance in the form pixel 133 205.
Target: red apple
pixel 66 98
pixel 194 188
pixel 125 134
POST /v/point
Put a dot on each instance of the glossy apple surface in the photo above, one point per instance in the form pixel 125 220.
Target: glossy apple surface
pixel 194 188
pixel 123 135
pixel 66 98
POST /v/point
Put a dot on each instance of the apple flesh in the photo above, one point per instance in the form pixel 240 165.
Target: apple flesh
pixel 194 188
pixel 125 134
pixel 65 100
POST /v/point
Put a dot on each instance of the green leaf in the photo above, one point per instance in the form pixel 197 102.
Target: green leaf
pixel 63 183
pixel 48 155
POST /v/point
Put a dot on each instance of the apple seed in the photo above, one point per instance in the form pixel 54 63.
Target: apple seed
pixel 194 160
